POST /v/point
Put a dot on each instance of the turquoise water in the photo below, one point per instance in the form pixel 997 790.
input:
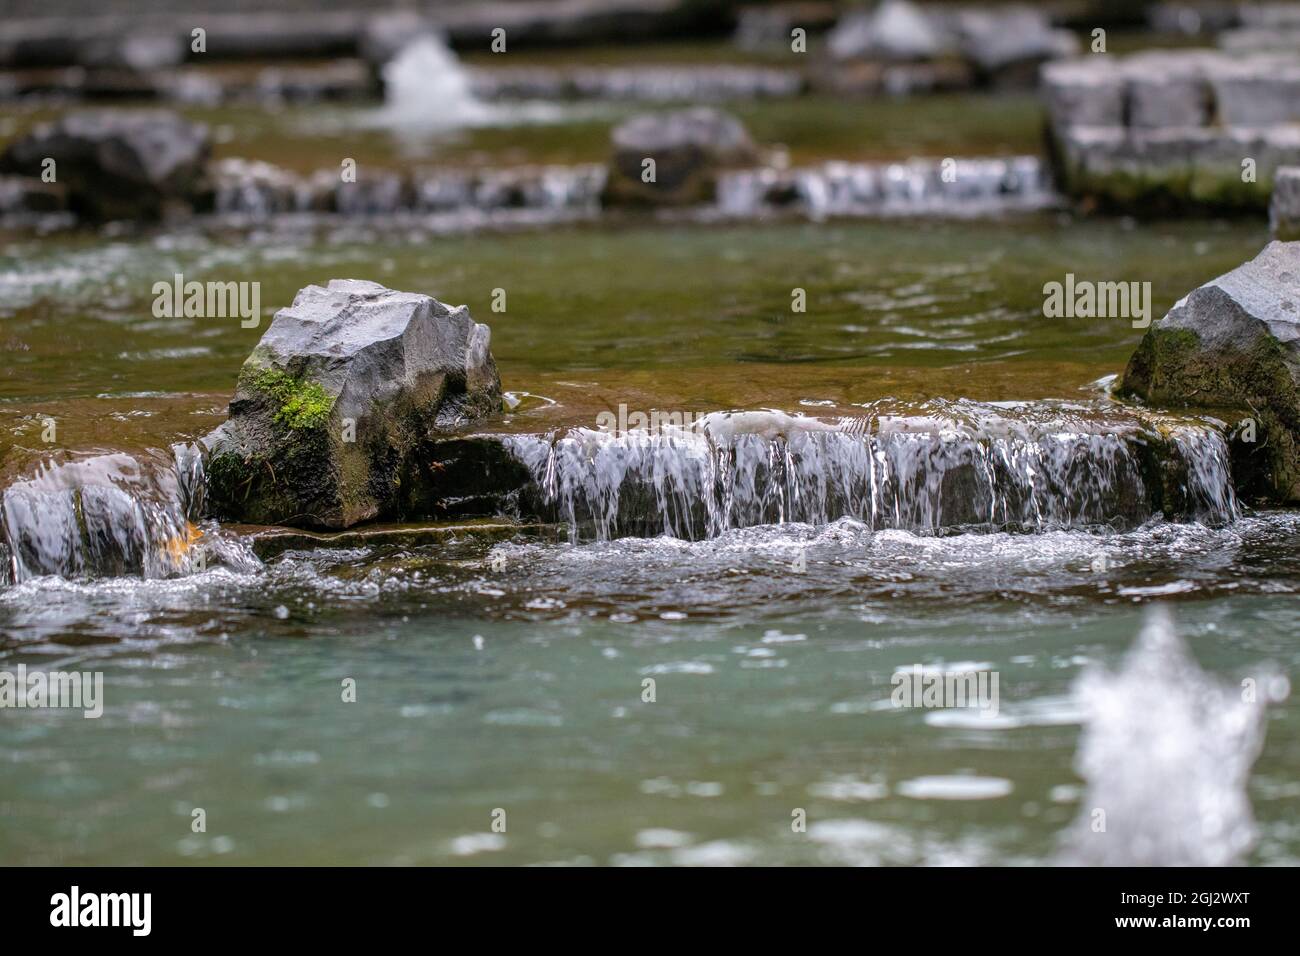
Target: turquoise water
pixel 521 690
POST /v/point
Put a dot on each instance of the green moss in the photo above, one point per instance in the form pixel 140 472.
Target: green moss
pixel 303 403
pixel 1171 342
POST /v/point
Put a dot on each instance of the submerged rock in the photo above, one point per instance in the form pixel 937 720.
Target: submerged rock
pixel 1234 344
pixel 688 149
pixel 118 165
pixel 1284 211
pixel 335 404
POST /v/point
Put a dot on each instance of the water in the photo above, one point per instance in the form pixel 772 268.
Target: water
pixel 427 93
pixel 958 467
pixel 1195 738
pixel 503 667
pixel 427 90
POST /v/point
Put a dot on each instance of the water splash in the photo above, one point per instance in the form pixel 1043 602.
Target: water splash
pixel 960 466
pixel 1166 753
pixel 426 89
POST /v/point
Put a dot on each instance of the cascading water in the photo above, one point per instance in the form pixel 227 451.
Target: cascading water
pixel 1166 753
pixel 962 467
pixel 951 187
pixel 112 514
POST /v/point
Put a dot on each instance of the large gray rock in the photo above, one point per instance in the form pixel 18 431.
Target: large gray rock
pixel 118 165
pixel 1284 211
pixel 336 405
pixel 1233 345
pixel 689 148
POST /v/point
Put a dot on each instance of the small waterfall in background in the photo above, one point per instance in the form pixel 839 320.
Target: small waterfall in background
pixel 965 468
pixel 919 187
pixel 1166 752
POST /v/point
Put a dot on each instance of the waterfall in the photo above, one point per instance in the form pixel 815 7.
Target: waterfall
pixel 942 467
pixel 950 187
pixel 112 514
pixel 961 467
pixel 1166 752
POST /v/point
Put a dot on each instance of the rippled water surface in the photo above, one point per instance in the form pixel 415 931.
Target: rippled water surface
pixel 505 667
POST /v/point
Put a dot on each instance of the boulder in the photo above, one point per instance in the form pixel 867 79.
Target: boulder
pixel 689 148
pixel 118 165
pixel 1284 211
pixel 1233 345
pixel 335 408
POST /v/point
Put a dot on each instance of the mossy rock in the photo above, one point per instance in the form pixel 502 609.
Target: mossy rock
pixel 333 405
pixel 1233 346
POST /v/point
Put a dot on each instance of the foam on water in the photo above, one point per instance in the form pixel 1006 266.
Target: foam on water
pixel 1166 753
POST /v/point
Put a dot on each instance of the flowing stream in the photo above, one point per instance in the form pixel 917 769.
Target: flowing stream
pixel 918 472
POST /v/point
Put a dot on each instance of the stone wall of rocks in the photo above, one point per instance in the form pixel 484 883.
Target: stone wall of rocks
pixel 1172 130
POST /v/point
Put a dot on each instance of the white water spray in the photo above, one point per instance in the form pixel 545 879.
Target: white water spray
pixel 427 90
pixel 1166 752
